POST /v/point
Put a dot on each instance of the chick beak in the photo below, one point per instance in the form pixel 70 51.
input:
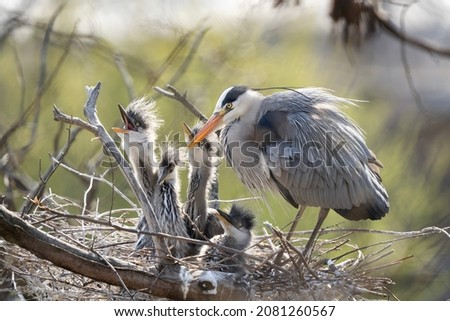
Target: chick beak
pixel 224 218
pixel 215 121
pixel 188 131
pixel 126 121
pixel 162 175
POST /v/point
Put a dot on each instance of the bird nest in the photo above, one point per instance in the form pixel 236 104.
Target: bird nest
pixel 275 268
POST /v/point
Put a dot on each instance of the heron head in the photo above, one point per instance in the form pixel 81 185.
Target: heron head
pixel 237 224
pixel 233 103
pixel 139 120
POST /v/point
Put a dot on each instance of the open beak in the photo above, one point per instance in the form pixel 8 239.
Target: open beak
pixel 215 121
pixel 126 122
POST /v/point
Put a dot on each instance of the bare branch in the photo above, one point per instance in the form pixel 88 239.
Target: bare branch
pixel 127 79
pixel 187 61
pixel 173 93
pixel 37 191
pixel 29 110
pixel 424 44
pixel 58 115
pixel 406 66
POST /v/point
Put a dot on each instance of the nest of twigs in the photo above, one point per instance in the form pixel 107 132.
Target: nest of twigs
pixel 275 267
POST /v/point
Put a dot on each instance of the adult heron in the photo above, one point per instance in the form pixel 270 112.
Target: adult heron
pixel 299 143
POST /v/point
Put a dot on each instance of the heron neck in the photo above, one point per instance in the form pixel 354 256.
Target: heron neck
pixel 196 205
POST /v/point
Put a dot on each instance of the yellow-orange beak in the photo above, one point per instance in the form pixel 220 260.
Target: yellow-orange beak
pixel 212 123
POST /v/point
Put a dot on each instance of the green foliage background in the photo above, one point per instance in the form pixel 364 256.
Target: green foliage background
pixel 413 147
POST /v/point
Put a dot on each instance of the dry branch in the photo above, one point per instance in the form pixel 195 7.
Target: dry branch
pixel 398 33
pixel 173 93
pixel 38 190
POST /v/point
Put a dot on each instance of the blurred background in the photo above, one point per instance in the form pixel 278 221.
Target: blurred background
pixel 50 50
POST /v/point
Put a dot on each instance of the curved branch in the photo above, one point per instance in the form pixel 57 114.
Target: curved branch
pixel 173 93
pixel 424 44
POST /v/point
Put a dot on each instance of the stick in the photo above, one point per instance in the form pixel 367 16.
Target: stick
pixel 176 95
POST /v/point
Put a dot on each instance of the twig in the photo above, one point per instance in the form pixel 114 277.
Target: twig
pixel 126 77
pixel 176 95
pixel 424 44
pixel 288 244
pixel 99 179
pixel 60 116
pixel 29 110
pixel 36 192
pixel 187 61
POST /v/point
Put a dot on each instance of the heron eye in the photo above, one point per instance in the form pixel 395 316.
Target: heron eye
pixel 229 106
pixel 137 124
pixel 239 224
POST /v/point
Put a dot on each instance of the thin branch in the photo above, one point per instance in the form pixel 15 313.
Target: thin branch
pixel 424 44
pixel 29 110
pixel 99 179
pixel 187 61
pixel 173 93
pixel 37 191
pixel 58 115
pixel 406 66
pixel 126 77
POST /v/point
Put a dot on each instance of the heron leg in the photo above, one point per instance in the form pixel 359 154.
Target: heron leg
pixel 300 212
pixel 323 213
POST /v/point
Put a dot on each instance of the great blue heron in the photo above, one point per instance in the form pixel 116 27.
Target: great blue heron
pixel 202 182
pixel 299 143
pixel 139 135
pixel 237 235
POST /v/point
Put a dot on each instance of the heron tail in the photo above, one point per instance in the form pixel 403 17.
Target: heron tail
pixel 375 208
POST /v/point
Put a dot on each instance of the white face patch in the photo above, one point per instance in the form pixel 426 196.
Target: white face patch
pixel 241 236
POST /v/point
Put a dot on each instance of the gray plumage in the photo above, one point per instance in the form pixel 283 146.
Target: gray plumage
pixel 237 235
pixel 202 184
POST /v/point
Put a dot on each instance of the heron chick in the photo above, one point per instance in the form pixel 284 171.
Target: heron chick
pixel 202 184
pixel 237 226
pixel 138 135
pixel 168 209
